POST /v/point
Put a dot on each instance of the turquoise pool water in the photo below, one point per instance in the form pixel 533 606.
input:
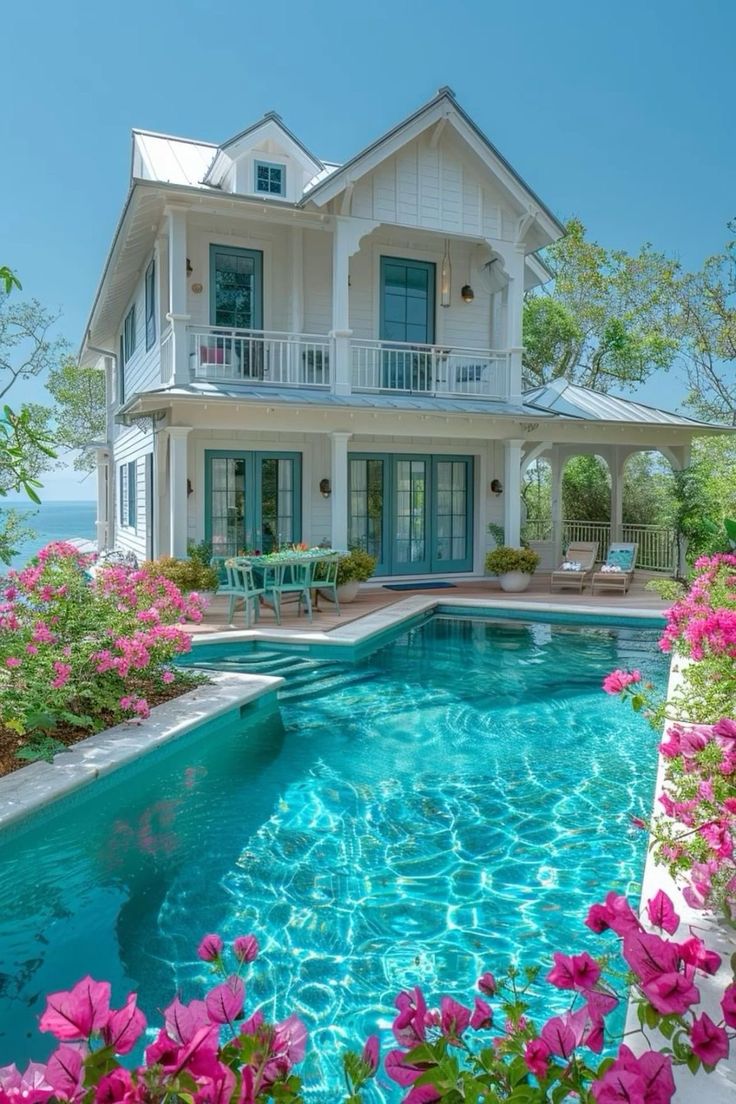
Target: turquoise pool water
pixel 451 802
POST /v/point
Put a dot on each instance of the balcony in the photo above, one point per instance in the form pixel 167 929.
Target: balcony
pixel 262 357
pixel 268 358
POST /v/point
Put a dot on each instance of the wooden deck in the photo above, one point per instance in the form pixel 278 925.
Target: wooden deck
pixel 373 597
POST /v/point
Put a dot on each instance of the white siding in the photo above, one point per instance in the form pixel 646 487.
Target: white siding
pixel 439 188
pixel 131 446
pixel 317 282
pixel 142 371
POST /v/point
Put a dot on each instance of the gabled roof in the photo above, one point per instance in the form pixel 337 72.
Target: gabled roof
pixel 442 106
pixel 271 124
pixel 568 400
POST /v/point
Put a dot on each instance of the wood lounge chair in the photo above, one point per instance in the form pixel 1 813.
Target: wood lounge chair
pixel 579 552
pixel 621 559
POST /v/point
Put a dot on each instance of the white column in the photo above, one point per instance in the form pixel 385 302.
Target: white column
pixel 103 476
pixel 515 319
pixel 341 332
pixel 296 240
pixel 178 520
pixel 178 314
pixel 556 470
pixel 681 456
pixel 512 492
pixel 339 483
pixel 616 465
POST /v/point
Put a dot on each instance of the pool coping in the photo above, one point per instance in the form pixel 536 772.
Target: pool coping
pixel 392 616
pixel 718 1087
pixel 25 791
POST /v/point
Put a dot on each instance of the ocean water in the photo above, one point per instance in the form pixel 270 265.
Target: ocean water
pixel 53 521
pixel 452 803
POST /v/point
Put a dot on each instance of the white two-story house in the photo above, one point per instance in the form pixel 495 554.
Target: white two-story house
pixel 299 350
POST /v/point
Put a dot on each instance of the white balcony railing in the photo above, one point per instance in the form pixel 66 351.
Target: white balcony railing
pixel 429 369
pixel 259 356
pixel 656 551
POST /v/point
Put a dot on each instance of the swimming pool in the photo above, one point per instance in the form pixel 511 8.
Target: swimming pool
pixel 433 810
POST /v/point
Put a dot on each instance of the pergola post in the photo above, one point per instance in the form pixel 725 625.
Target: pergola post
pixel 512 492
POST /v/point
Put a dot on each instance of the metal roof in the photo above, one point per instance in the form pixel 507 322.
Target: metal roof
pixel 170 160
pixel 269 394
pixel 568 400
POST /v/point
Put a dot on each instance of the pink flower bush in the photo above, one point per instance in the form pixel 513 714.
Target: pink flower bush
pixel 83 651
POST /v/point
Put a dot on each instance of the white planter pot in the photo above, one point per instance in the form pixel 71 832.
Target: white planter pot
pixel 348 592
pixel 514 581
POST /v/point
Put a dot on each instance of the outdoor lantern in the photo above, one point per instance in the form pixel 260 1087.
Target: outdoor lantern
pixel 446 276
pixel 467 293
pixel 497 486
pixel 324 488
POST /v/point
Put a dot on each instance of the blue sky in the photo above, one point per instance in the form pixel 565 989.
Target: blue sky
pixel 620 113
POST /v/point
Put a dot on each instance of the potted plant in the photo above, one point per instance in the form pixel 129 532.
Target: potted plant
pixel 514 567
pixel 192 575
pixel 354 568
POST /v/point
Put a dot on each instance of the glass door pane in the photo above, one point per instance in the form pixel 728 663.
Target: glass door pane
pixel 277 503
pixel 407 318
pixel 452 515
pixel 227 506
pixel 236 287
pixel 410 552
pixel 366 507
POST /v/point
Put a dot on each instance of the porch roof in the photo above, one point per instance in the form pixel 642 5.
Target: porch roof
pixel 569 400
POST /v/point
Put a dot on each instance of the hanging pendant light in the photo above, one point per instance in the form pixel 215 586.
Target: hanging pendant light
pixel 446 276
pixel 466 291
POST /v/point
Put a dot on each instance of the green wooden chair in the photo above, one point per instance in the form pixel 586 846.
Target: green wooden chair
pixel 327 576
pixel 298 579
pixel 241 585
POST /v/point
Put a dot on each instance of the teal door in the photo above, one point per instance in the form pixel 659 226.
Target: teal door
pixel 236 288
pixel 413 513
pixel 407 300
pixel 252 500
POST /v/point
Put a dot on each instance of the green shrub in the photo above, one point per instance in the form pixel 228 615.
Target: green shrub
pixel 669 590
pixel 504 559
pixel 356 566
pixel 187 575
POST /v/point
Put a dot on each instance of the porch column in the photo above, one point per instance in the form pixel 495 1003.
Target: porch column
pixel 679 457
pixel 512 492
pixel 345 241
pixel 339 482
pixel 556 469
pixel 616 464
pixel 514 320
pixel 103 476
pixel 178 521
pixel 178 314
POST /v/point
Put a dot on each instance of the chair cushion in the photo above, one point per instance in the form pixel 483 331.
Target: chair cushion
pixel 211 354
pixel 621 558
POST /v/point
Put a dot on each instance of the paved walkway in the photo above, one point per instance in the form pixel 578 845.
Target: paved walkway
pixel 374 597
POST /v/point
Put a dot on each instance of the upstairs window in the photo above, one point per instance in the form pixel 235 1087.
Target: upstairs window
pixel 129 335
pixel 150 305
pixel 270 179
pixel 128 494
pixel 121 372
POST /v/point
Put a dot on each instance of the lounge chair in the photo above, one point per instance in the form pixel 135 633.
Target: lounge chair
pixel 582 553
pixel 618 570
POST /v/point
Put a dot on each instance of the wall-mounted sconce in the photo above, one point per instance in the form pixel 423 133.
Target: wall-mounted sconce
pixel 325 488
pixel 197 289
pixel 446 276
pixel 190 488
pixel 497 486
pixel 190 270
pixel 467 293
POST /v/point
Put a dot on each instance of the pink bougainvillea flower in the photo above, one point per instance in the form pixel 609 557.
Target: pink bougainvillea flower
pixel 224 1003
pixel 78 1012
pixel 728 1005
pixel 422 1094
pixel 661 912
pixel 695 953
pixel 290 1039
pixel 482 1016
pixel 399 1070
pixel 631 1080
pixel 708 1041
pixel 409 1025
pixel 210 947
pixel 574 971
pixel 29 1087
pixel 619 680
pixel 559 1036
pixel 245 948
pixel 487 984
pixel 65 1071
pixel 13 661
pixel 371 1052
pixel 648 955
pixel 183 1021
pixel 118 1087
pixel 124 1026
pixel 615 913
pixel 536 1057
pixel 454 1019
pixel 672 992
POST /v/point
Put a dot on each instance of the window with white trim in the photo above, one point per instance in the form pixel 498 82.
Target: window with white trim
pixel 128 494
pixel 270 179
pixel 129 335
pixel 150 285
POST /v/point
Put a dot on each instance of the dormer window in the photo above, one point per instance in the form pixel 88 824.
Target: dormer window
pixel 270 178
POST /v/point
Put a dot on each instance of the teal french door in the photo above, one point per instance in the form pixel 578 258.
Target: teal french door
pixel 252 500
pixel 407 309
pixel 236 287
pixel 414 513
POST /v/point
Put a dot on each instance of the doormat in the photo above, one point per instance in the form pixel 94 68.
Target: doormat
pixel 417 586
